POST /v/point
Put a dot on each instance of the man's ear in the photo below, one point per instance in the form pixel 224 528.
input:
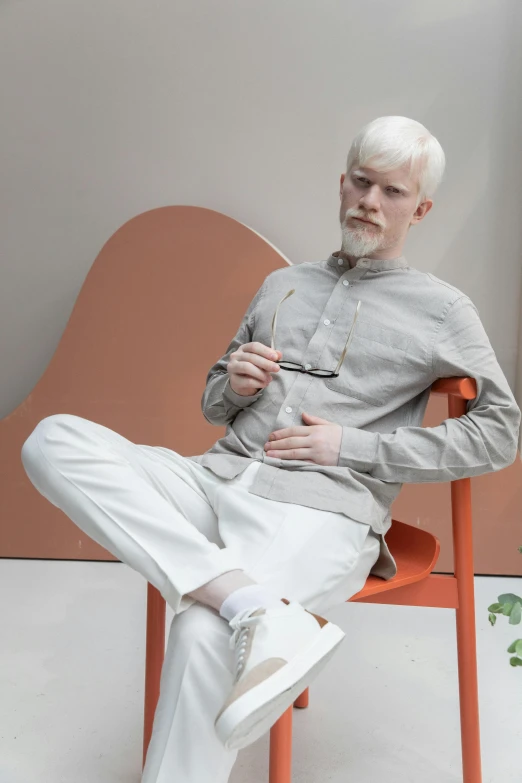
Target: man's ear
pixel 421 211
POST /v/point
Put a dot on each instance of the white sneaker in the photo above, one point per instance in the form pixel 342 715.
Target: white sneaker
pixel 279 651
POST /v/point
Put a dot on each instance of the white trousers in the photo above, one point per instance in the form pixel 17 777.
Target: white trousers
pixel 180 526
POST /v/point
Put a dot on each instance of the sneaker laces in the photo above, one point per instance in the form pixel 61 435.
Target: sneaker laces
pixel 242 625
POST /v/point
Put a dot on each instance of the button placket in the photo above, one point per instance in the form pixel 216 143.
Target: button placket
pixel 326 322
pixel 297 394
pixel 304 380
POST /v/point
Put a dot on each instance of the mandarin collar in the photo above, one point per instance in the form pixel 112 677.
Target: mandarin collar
pixel 380 264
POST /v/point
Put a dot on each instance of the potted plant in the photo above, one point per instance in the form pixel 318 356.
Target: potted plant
pixel 509 605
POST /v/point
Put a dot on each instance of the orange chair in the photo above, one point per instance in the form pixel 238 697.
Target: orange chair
pixel 415 552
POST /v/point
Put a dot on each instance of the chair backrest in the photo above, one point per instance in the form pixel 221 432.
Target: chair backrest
pixel 158 307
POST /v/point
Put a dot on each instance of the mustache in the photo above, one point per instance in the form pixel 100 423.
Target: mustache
pixel 357 214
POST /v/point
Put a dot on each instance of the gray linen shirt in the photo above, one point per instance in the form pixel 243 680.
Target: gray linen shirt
pixel 412 329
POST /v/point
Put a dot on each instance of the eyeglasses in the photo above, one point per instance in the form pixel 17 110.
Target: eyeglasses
pixel 299 367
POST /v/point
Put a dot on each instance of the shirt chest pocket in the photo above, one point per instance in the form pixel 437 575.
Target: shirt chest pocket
pixel 372 367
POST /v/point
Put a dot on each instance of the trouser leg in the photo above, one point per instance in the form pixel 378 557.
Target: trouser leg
pixel 157 521
pixel 196 679
pixel 318 558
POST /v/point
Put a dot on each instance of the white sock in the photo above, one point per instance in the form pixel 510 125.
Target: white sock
pixel 249 597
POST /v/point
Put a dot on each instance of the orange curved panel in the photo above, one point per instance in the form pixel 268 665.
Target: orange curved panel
pixel 127 360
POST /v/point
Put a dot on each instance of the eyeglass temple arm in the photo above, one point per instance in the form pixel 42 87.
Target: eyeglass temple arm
pixel 349 339
pixel 274 319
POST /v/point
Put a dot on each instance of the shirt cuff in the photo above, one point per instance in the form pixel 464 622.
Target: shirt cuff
pixel 358 449
pixel 240 400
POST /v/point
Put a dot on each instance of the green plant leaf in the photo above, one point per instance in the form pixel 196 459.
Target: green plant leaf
pixel 513 647
pixel 518 648
pixel 509 598
pixel 506 609
pixel 516 614
pixel 515 661
pixel 495 608
pixel 493 620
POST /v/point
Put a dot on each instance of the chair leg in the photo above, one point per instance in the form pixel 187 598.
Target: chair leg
pixel 468 692
pixel 281 749
pixel 154 656
pixel 302 701
pixel 466 632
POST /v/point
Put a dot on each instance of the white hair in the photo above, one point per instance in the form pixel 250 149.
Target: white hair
pixel 390 142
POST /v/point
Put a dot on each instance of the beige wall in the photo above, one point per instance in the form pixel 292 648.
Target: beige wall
pixel 112 108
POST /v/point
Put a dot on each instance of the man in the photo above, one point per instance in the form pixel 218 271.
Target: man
pixel 285 516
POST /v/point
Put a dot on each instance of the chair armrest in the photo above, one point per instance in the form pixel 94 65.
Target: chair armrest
pixel 465 388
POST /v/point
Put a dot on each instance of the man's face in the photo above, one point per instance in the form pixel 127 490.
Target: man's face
pixel 388 201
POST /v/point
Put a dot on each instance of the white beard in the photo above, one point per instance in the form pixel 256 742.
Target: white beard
pixel 359 242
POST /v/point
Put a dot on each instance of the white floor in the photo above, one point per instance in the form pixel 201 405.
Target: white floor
pixel 71 687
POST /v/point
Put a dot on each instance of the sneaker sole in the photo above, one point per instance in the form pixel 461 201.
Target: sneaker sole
pixel 252 714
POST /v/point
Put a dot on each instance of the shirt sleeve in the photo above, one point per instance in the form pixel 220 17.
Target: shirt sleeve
pixel 483 440
pixel 220 404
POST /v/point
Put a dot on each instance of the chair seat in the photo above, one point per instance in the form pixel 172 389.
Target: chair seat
pixel 415 551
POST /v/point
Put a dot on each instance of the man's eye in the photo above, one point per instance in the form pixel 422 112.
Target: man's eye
pixel 394 190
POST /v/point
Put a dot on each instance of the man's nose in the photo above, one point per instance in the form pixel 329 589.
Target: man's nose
pixel 370 198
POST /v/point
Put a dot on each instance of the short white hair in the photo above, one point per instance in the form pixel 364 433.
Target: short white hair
pixel 389 142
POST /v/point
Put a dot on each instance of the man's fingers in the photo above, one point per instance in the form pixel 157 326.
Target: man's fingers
pixel 287 443
pixel 261 349
pixel 302 454
pixel 260 361
pixel 254 361
pixel 304 431
pixel 251 371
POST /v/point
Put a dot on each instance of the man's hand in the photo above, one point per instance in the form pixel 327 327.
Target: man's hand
pixel 250 368
pixel 319 441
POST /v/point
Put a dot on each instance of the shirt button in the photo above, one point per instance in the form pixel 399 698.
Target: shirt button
pixel 308 366
pixel 340 261
pixel 288 409
pixel 345 282
pixel 326 322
